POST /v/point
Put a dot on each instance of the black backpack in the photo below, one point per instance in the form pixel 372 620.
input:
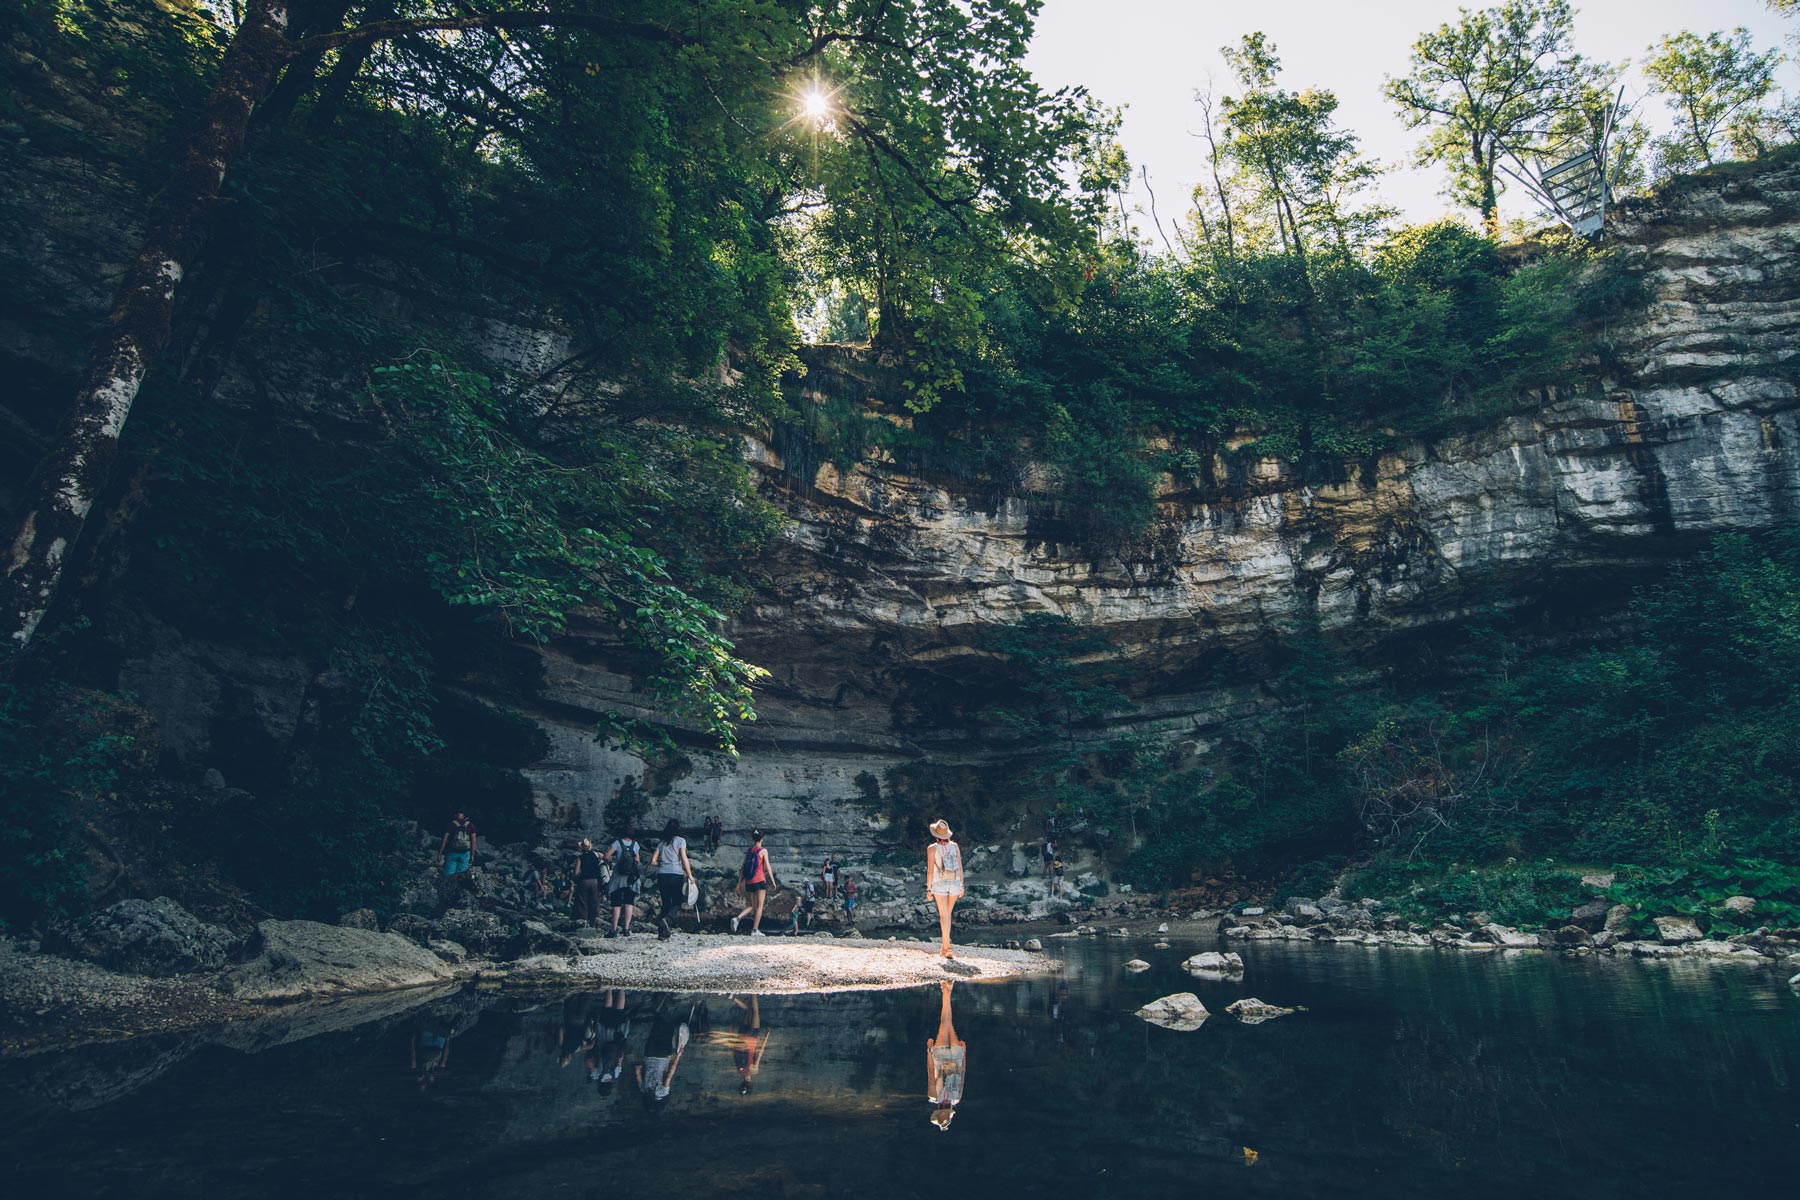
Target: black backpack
pixel 628 865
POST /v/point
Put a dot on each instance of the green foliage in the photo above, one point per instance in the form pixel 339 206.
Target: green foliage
pixel 1294 173
pixel 59 749
pixel 1715 87
pixel 1674 751
pixel 1522 895
pixel 1494 78
pixel 1700 890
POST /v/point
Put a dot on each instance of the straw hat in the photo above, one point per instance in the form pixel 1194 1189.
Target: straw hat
pixel 940 828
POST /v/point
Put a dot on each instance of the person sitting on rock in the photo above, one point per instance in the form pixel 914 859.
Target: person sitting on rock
pixel 457 850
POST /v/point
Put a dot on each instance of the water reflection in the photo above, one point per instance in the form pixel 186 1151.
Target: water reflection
pixel 1408 1068
pixel 946 1064
pixel 749 1041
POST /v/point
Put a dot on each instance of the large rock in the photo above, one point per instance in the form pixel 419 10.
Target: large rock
pixel 145 937
pixel 360 918
pixel 412 925
pixel 1678 929
pixel 1252 1011
pixel 296 960
pixel 1505 935
pixel 1743 905
pixel 1573 935
pixel 481 932
pixel 1181 1011
pixel 535 937
pixel 1590 916
pixel 1619 919
pixel 1211 962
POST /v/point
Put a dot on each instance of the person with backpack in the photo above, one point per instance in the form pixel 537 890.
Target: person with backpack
pixel 674 875
pixel 457 850
pixel 943 877
pixel 589 874
pixel 627 865
pixel 1049 854
pixel 670 1031
pixel 754 880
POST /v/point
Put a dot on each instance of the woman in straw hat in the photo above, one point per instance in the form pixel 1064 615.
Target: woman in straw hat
pixel 943 877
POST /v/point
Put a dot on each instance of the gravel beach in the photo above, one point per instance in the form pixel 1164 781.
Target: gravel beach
pixel 767 965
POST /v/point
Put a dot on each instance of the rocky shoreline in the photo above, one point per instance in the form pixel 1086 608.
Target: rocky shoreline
pixel 1594 928
pixel 149 967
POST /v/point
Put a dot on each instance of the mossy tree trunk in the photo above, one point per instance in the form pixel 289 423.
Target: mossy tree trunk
pixel 62 492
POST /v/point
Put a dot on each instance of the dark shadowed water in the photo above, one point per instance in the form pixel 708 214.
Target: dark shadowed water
pixel 1413 1073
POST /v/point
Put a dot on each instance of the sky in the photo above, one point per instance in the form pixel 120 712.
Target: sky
pixel 1150 56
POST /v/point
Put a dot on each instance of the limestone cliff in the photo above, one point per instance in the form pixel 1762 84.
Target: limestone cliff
pixel 880 591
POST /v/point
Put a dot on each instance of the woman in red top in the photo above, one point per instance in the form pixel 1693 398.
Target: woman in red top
pixel 754 878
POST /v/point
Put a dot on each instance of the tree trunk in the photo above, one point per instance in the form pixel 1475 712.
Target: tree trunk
pixel 59 496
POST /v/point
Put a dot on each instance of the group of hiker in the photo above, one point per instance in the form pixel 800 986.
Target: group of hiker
pixel 604 886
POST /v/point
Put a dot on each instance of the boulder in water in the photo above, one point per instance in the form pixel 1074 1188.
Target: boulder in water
pixel 1181 1011
pixel 145 937
pixel 1136 965
pixel 296 960
pixel 1252 1011
pixel 1211 962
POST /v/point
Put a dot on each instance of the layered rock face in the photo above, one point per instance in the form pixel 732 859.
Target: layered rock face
pixel 882 590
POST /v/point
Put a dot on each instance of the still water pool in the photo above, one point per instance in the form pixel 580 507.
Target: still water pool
pixel 1412 1074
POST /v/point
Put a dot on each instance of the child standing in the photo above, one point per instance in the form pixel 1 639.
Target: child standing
pixel 803 911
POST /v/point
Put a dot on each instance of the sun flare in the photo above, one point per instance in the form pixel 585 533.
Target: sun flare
pixel 815 105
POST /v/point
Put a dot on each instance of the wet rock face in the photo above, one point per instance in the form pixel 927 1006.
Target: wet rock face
pixel 145 937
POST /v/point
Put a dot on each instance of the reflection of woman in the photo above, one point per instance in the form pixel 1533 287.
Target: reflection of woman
pixel 749 1040
pixel 946 1062
pixel 668 1038
pixel 943 877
